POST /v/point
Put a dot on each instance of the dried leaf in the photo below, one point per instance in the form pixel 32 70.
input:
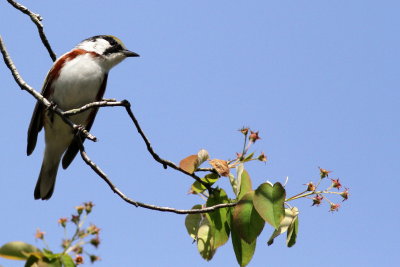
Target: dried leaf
pixel 192 162
pixel 198 187
pixel 221 166
pixel 189 164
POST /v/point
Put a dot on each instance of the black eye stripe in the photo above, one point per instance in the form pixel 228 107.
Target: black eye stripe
pixel 113 49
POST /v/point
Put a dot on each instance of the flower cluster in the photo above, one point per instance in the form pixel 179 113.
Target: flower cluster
pixel 82 236
pixel 320 195
pixel 249 139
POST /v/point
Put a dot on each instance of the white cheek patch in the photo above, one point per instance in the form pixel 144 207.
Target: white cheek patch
pixel 99 46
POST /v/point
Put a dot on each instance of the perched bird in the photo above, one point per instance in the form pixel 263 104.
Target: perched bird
pixel 76 78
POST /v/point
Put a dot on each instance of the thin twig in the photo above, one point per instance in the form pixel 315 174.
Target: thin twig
pixel 127 105
pixel 24 86
pixel 36 18
pixel 206 170
pixel 103 103
pixel 99 172
pixel 156 157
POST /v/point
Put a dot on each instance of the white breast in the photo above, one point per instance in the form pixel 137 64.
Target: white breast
pixel 79 82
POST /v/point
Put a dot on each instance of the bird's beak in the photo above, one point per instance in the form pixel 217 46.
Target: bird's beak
pixel 128 53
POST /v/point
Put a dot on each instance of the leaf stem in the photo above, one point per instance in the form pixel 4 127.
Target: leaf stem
pixel 309 193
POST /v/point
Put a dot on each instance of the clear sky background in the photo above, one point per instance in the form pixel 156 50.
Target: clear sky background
pixel 318 79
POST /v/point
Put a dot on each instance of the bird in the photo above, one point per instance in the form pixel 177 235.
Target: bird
pixel 76 78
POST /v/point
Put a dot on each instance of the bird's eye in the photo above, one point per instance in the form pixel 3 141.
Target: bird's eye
pixel 113 49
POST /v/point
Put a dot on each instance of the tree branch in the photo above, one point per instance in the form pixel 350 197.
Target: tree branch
pixel 98 104
pixel 107 103
pixel 127 105
pixel 99 172
pixel 24 86
pixel 36 18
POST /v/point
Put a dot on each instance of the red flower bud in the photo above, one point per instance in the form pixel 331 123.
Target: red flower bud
pixel 63 221
pixel 95 241
pixel 88 206
pixel 345 194
pixel 254 136
pixel 94 258
pixel 79 209
pixel 75 219
pixel 78 250
pixel 311 187
pixel 317 200
pixel 39 234
pixel 262 157
pixel 244 130
pixel 324 173
pixel 334 207
pixel 93 230
pixel 336 183
pixel 78 259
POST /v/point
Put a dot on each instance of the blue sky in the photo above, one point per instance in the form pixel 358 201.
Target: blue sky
pixel 318 79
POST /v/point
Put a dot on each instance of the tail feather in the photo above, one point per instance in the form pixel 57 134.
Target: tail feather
pixel 47 179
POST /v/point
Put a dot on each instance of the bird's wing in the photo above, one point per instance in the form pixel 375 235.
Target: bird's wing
pixel 36 123
pixel 74 146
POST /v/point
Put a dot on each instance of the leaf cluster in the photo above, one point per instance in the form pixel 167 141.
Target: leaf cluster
pixel 255 207
pixel 72 248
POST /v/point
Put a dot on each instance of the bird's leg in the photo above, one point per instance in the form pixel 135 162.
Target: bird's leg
pixel 53 105
pixel 50 110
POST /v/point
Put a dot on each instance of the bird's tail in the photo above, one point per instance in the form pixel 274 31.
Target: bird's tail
pixel 47 177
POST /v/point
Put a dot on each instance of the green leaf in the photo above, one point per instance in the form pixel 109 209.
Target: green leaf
pixel 268 201
pixel 248 157
pixel 197 187
pixel 50 259
pixel 49 254
pixel 246 220
pixel 205 240
pixel 234 183
pixel 67 261
pixel 292 232
pixel 229 217
pixel 192 222
pixel 31 261
pixel 243 251
pixel 218 218
pixel 290 216
pixel 56 262
pixel 17 250
pixel 38 259
pixel 245 184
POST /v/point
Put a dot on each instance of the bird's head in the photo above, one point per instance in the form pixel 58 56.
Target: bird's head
pixel 110 48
